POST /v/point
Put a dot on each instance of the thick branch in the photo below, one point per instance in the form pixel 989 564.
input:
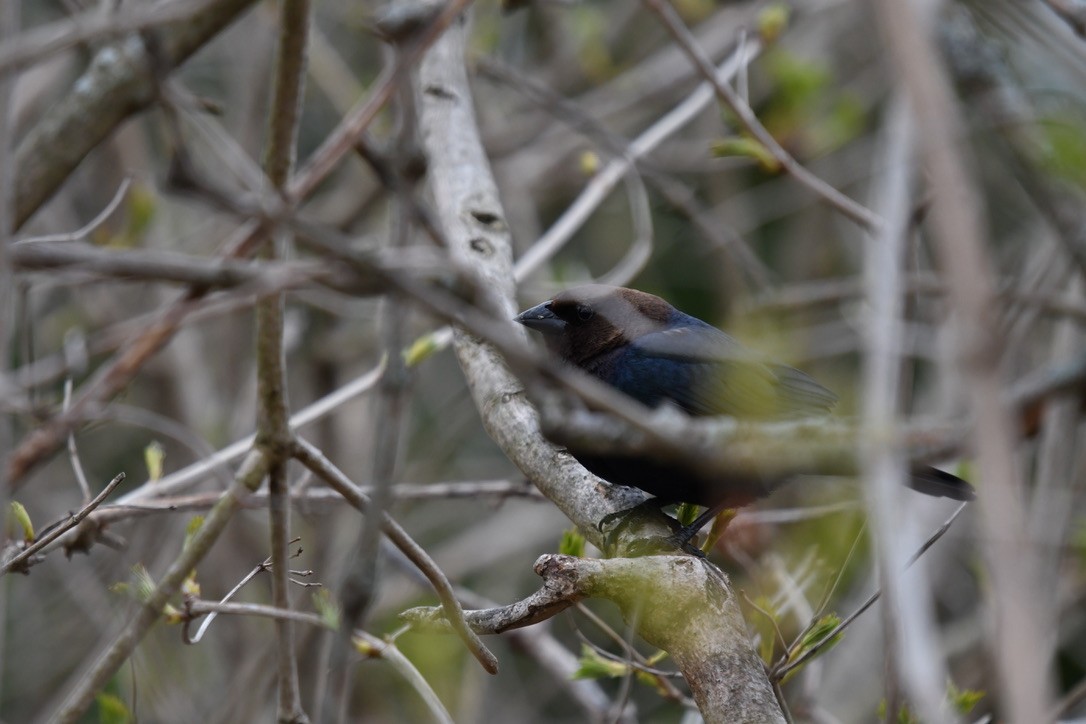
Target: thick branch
pixel 726 447
pixel 705 635
pixel 681 604
pixel 120 82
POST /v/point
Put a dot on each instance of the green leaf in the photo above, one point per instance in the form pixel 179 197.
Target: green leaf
pixel 1078 543
pixel 904 714
pixel 593 666
pixel 964 470
pixel 686 513
pixel 749 147
pixel 820 631
pixel 1064 147
pixel 153 457
pixel 112 710
pixel 17 514
pixel 423 349
pixel 141 210
pixel 963 700
pixel 773 21
pixel 816 636
pixel 572 543
pixel 327 608
pixel 142 583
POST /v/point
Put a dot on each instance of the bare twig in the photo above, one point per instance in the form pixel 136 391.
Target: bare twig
pixel 195 639
pixel 556 596
pixel 210 273
pixel 783 667
pixel 89 684
pixel 19 561
pixel 313 459
pixel 681 34
pixel 404 667
pixel 73 451
pixel 370 645
pixel 633 657
pixel 1073 12
pixel 343 138
pixel 911 652
pixel 116 85
pixel 562 230
pixel 83 231
pixel 193 473
pixel 38 43
pixel 10 22
pixel 273 424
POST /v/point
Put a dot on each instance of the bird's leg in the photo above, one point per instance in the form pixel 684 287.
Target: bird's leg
pixel 654 545
pixel 622 517
pixel 681 538
pixel 622 520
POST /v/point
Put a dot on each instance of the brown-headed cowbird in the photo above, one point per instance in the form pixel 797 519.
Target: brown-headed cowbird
pixel 642 346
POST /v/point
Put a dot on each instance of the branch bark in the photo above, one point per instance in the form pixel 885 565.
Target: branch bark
pixel 120 81
pixel 684 605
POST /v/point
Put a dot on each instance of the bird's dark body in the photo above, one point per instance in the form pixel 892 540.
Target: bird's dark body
pixel 642 346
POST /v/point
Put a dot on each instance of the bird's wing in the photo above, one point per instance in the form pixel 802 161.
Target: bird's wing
pixel 706 372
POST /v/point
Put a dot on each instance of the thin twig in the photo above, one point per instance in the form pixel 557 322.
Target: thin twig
pixel 84 231
pixel 768 617
pixel 562 230
pixel 374 647
pixel 682 35
pixel 73 451
pixel 782 668
pixel 192 474
pixel 632 655
pixel 18 561
pixel 195 639
pixel 313 459
pixel 90 683
pixel 343 138
pixel 273 415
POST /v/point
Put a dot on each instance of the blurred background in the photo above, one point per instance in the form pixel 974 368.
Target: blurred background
pixel 561 91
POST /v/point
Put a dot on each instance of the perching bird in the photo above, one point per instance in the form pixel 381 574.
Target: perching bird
pixel 642 346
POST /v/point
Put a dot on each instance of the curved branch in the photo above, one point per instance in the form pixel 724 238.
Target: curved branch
pixel 680 604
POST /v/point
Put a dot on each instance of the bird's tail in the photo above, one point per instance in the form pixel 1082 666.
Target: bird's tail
pixel 940 484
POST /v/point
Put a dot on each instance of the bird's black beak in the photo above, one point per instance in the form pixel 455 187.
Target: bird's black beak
pixel 541 319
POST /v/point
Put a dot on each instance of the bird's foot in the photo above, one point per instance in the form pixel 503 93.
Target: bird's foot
pixel 661 545
pixel 615 525
pixel 622 519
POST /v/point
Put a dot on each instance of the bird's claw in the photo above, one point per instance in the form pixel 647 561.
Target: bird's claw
pixel 661 545
pixel 619 522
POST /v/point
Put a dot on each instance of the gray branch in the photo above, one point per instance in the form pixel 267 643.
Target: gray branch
pixel 682 605
pixel 120 81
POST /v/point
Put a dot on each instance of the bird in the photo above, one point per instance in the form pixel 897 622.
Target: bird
pixel 644 347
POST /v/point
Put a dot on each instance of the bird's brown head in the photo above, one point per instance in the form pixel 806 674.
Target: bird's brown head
pixel 581 323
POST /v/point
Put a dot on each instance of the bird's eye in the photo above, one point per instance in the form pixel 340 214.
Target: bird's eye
pixel 584 312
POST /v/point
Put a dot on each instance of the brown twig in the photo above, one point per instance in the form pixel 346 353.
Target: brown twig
pixel 313 459
pixel 685 39
pixel 19 562
pixel 273 432
pixel 90 683
pixel 784 666
pixel 373 646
